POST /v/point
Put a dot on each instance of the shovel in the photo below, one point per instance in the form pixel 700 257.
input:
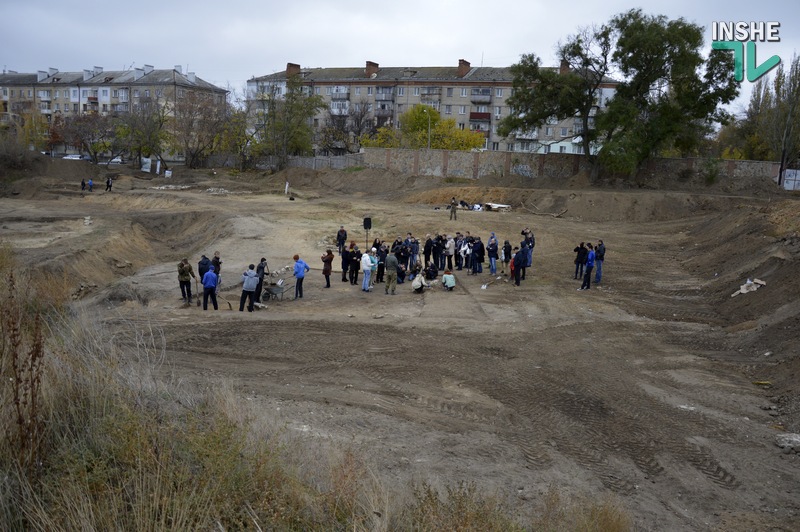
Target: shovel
pixel 196 291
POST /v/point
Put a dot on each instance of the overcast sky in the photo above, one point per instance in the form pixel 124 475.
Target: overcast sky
pixel 227 44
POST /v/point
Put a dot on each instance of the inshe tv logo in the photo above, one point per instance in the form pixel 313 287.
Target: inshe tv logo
pixel 734 35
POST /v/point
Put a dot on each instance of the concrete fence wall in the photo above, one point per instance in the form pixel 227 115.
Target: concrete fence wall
pixel 442 163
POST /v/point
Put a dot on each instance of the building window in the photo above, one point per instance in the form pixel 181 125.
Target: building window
pixel 563 132
pixel 58 94
pixel 461 126
pixel 495 146
pixel 416 91
pixel 546 148
pixel 369 107
pixel 548 132
pixel 482 109
pixel 316 91
pixel 105 107
pixel 58 107
pixel 464 92
pixel 105 93
pixel 74 94
pixel 399 108
pixel 135 93
pixel 562 149
pixel 328 91
pixel 498 92
pixel 75 107
pixel 401 91
pixel 316 122
pixel 510 146
pixel 159 92
pixel 448 109
pixel 358 91
pixel 147 93
pixel 462 110
pixel 84 93
pixel 369 91
pixel 449 92
pixel 497 111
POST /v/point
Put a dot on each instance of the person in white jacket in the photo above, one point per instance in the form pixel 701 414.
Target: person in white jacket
pixel 449 251
pixel 366 269
pixel 249 284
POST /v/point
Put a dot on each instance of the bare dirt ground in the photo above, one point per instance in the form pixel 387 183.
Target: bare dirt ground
pixel 656 386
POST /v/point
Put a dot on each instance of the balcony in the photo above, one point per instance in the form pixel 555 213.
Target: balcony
pixel 342 95
pixel 384 96
pixel 384 112
pixel 480 117
pixel 481 96
pixel 92 99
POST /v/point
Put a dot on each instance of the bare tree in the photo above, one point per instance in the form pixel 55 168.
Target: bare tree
pixel 197 121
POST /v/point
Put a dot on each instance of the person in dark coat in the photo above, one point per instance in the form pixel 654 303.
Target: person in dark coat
pixel 581 253
pixel 202 266
pixel 355 265
pixel 478 254
pixel 341 239
pixel 327 266
pixel 345 263
pixel 518 264
pixel 261 272
pixel 427 249
pixel 506 255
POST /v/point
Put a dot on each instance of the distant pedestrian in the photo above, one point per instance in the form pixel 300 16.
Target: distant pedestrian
pixel 518 264
pixel 341 239
pixel 185 276
pixel 327 266
pixel 506 255
pixel 300 269
pixel 453 207
pixel 249 284
pixel 345 263
pixel 392 266
pixel 202 266
pixel 262 270
pixel 217 263
pixel 83 185
pixel 587 277
pixel 366 270
pixel 210 288
pixel 580 259
pixel 91 184
pixel 109 182
pixel 599 257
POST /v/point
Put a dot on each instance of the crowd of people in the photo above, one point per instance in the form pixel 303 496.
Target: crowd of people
pixel 410 259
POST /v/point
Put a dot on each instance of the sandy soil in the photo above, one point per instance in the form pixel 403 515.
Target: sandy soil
pixel 643 388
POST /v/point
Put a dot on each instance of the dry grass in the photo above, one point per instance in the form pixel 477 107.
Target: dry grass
pixel 99 437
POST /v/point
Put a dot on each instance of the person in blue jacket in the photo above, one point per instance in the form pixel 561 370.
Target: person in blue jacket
pixel 300 269
pixel 587 276
pixel 210 288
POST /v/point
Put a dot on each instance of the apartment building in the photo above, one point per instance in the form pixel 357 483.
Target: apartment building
pixel 95 90
pixel 475 97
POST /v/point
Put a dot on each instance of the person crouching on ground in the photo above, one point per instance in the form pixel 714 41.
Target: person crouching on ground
pixel 300 269
pixel 249 284
pixel 210 288
pixel 448 281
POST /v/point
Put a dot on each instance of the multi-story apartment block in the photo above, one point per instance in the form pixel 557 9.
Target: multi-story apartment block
pixel 95 91
pixel 475 97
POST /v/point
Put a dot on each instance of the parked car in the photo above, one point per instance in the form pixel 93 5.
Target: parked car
pixel 73 157
pixel 117 160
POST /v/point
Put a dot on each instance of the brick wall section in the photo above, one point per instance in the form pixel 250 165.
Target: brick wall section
pixel 441 163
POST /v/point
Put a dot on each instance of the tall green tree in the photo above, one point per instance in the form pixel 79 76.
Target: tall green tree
pixel 667 97
pixel 287 127
pixel 573 90
pixel 195 125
